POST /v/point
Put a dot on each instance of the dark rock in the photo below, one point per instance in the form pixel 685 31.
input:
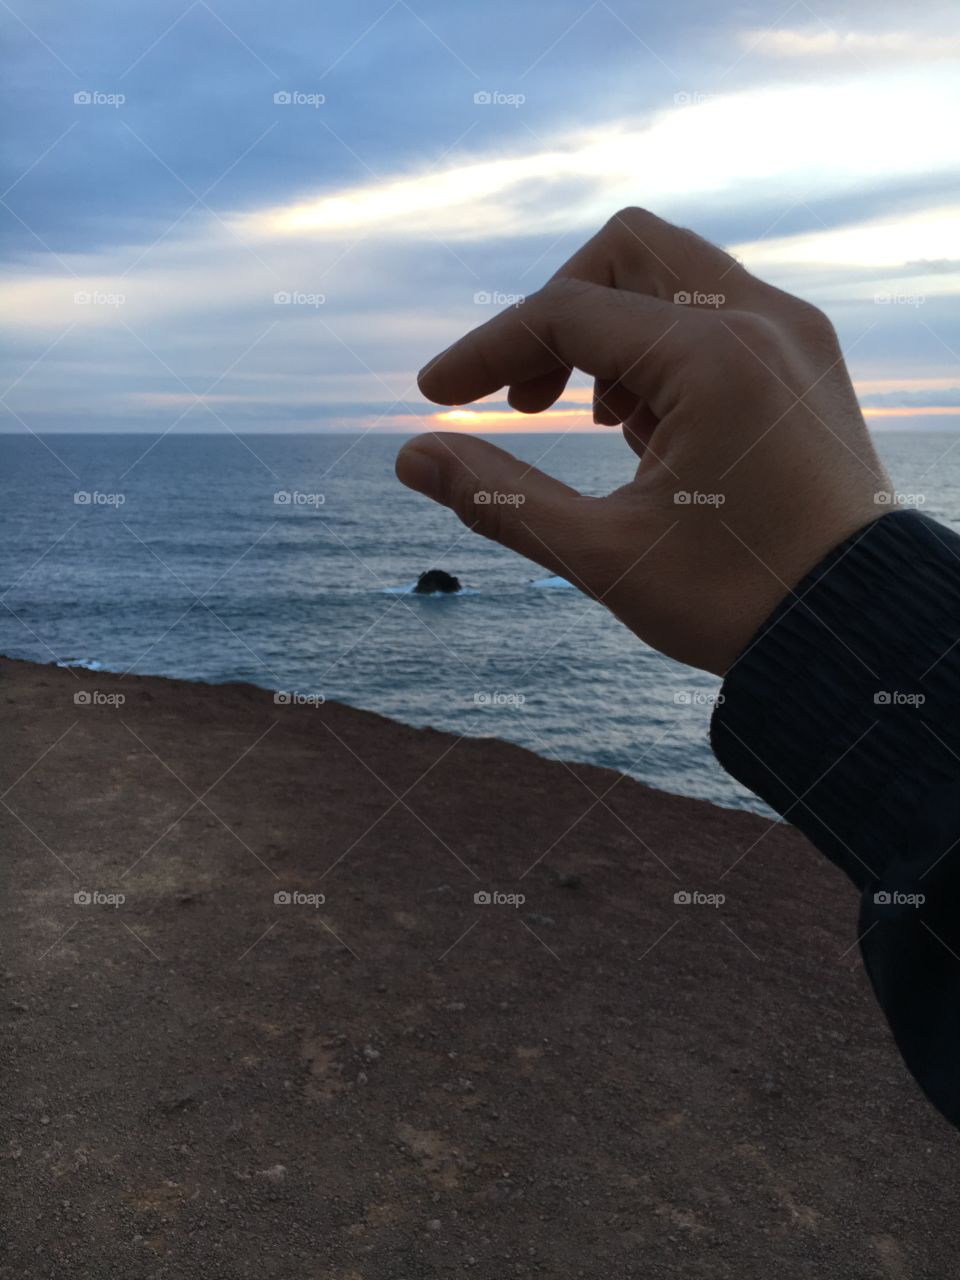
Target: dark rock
pixel 436 580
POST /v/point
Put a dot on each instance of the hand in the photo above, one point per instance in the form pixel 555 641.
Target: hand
pixel 754 458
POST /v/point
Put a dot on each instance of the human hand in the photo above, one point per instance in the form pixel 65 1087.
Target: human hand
pixel 746 408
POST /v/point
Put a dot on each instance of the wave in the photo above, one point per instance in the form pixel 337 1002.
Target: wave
pixel 409 590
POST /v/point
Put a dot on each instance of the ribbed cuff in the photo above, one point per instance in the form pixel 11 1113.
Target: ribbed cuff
pixel 842 712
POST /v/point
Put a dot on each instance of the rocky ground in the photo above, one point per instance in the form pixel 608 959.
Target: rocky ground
pixel 397 1082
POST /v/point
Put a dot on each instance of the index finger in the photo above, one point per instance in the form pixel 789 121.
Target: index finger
pixel 627 337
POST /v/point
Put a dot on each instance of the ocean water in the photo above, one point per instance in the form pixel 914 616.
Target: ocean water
pixel 182 563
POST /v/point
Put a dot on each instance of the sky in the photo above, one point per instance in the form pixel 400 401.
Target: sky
pixel 227 215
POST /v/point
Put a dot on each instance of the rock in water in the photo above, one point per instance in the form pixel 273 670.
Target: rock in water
pixel 435 580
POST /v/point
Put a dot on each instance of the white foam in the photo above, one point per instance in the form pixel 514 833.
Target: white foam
pixel 410 589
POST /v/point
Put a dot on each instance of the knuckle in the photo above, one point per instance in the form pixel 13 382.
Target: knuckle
pixel 560 292
pixel 814 324
pixel 750 329
pixel 632 218
pixel 751 338
pixel 742 347
pixel 560 289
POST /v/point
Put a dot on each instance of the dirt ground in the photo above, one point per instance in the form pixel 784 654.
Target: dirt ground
pixel 399 1081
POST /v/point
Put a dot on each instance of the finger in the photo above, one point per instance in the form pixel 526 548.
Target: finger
pixel 502 498
pixel 638 251
pixel 621 337
pixel 613 403
pixel 638 429
pixel 538 394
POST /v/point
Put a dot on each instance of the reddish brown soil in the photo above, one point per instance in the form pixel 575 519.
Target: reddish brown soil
pixel 401 1083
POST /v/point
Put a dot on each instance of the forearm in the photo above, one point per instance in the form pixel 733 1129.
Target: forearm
pixel 842 713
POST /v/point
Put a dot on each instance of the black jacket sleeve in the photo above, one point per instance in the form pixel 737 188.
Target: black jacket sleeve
pixel 843 713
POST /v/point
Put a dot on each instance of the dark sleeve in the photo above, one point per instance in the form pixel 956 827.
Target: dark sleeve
pixel 843 713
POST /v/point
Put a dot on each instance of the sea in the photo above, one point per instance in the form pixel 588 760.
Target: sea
pixel 287 561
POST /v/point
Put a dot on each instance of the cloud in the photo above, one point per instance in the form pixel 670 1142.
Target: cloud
pixel 858 46
pixel 399 201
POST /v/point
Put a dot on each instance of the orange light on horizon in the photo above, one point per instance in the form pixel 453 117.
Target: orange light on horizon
pixel 918 411
pixel 509 420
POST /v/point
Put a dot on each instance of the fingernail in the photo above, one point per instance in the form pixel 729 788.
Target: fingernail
pixel 417 470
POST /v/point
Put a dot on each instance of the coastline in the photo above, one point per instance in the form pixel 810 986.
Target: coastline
pixel 205 1081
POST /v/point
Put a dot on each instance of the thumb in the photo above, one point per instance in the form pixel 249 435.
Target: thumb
pixel 503 499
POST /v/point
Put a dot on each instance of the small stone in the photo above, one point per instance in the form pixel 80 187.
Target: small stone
pixel 569 880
